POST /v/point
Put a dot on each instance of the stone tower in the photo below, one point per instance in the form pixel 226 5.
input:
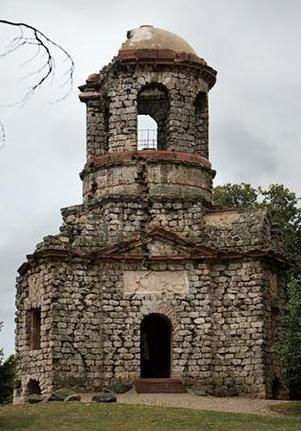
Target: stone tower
pixel 146 279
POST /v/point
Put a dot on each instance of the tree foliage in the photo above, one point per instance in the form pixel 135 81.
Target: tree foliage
pixel 7 376
pixel 235 195
pixel 1 350
pixel 290 338
pixel 285 211
pixel 7 379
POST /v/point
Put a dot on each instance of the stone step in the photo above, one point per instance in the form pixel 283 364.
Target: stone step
pixel 163 385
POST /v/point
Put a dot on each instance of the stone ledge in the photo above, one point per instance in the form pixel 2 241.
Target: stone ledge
pixel 89 95
pixel 100 254
pixel 154 156
pixel 158 54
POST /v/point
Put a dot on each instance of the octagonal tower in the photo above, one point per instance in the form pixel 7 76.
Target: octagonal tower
pixel 155 73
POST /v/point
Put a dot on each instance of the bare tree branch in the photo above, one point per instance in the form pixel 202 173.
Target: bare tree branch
pixel 46 47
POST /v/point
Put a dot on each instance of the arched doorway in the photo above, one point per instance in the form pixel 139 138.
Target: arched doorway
pixel 33 387
pixel 155 346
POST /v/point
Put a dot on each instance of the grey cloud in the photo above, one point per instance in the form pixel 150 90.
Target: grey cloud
pixel 242 155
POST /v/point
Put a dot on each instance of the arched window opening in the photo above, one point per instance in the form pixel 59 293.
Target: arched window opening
pixel 106 125
pixel 153 112
pixel 33 387
pixel 147 133
pixel 155 346
pixel 201 123
pixel 33 328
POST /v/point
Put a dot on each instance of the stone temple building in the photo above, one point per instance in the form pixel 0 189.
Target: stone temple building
pixel 147 282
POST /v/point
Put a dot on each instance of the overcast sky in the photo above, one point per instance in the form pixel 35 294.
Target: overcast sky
pixel 255 108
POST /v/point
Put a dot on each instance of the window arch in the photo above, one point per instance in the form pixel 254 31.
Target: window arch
pixel 201 123
pixel 33 328
pixel 106 122
pixel 153 101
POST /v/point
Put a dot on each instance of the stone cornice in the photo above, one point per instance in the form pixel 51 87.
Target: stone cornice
pixel 147 57
pixel 167 57
pixel 154 156
pixel 197 254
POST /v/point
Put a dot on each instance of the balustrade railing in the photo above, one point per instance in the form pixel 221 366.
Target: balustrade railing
pixel 147 139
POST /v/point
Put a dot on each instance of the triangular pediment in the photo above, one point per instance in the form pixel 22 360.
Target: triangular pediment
pixel 157 244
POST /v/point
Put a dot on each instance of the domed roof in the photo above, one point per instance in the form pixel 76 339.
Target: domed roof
pixel 149 37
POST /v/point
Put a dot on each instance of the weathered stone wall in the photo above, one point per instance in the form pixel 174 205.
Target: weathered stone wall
pixel 241 230
pixel 124 310
pixel 70 353
pixel 218 341
pixel 115 97
pixel 96 130
pixel 222 320
pixel 121 217
pixel 237 321
pixel 218 325
pixel 34 290
pixel 159 173
pixel 118 88
pixel 274 298
pixel 77 327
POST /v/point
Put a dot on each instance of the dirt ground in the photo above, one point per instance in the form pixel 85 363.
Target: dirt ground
pixel 193 401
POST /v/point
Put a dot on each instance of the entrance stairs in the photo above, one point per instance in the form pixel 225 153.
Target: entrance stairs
pixel 162 385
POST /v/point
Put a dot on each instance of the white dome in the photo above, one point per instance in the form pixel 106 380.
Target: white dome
pixel 149 37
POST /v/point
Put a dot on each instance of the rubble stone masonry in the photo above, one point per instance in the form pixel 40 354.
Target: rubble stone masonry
pixel 147 241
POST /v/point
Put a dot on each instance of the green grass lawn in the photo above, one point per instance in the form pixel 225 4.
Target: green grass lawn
pixel 291 409
pixel 120 417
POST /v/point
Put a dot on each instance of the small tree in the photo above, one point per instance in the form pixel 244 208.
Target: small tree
pixel 1 350
pixel 285 211
pixel 7 379
pixel 236 196
pixel 290 338
pixel 7 376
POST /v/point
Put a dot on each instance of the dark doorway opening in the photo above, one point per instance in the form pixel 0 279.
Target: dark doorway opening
pixel 33 387
pixel 276 388
pixel 155 346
